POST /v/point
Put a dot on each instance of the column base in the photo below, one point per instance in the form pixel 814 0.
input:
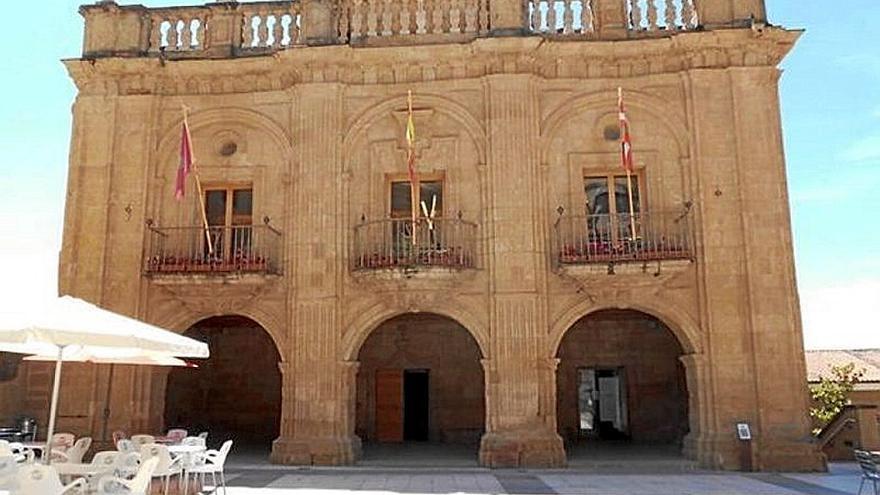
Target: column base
pixel 791 457
pixel 726 452
pixel 323 451
pixel 522 449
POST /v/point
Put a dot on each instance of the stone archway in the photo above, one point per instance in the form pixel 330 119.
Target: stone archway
pixel 236 393
pixel 419 385
pixel 621 383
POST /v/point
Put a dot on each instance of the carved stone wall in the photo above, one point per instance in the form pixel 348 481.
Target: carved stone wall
pixel 511 124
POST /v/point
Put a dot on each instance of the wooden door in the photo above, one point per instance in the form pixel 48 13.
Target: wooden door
pixel 389 405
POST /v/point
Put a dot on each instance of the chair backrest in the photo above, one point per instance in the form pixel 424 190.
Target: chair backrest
pixel 125 446
pixel 867 462
pixel 176 434
pixel 127 464
pixel 140 484
pixel 118 435
pixel 76 453
pixel 38 479
pixel 141 440
pixel 193 441
pixel 158 451
pixel 8 472
pixel 107 458
pixel 203 435
pixel 62 441
pixel 224 451
pixel 5 449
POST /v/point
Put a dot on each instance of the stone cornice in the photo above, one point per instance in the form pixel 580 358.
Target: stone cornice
pixel 546 58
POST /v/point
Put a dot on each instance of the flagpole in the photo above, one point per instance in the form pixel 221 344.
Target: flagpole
pixel 410 158
pixel 200 198
pixel 626 165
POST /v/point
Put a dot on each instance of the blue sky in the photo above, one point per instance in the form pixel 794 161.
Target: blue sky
pixel 831 117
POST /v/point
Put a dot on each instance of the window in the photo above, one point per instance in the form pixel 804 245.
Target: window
pixel 229 211
pixel 607 205
pixel 607 194
pixel 430 193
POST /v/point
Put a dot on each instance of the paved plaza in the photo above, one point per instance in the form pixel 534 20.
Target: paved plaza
pixel 246 476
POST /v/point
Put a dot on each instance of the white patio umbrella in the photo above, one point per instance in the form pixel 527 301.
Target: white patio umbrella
pixel 72 329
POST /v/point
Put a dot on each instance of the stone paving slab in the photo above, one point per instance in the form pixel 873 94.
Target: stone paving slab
pixel 362 482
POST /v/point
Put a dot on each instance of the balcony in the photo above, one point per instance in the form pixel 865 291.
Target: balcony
pixel 399 244
pixel 240 249
pixel 608 239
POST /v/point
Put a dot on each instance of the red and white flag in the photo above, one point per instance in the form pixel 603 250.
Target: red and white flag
pixel 626 154
pixel 186 161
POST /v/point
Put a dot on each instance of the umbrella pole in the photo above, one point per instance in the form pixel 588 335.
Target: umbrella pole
pixel 47 453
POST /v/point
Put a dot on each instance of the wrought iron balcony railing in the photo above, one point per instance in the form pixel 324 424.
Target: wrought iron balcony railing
pixel 398 243
pixel 235 249
pixel 609 238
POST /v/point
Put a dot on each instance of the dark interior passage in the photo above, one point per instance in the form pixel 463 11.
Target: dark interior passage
pixel 234 394
pixel 620 379
pixel 420 379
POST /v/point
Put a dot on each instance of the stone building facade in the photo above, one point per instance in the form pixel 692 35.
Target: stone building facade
pixel 537 310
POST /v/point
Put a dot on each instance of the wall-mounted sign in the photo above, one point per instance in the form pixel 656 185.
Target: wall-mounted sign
pixel 743 432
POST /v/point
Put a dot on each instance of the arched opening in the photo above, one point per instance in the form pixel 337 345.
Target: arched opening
pixel 236 392
pixel 420 392
pixel 621 387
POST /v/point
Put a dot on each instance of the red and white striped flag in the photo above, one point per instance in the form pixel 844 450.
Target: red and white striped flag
pixel 626 154
pixel 186 161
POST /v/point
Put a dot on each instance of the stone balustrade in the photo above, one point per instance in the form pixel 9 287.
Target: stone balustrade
pixel 271 25
pixel 361 19
pixel 654 15
pixel 229 29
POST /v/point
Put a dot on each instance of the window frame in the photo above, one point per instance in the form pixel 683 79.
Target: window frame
pixel 638 178
pixel 433 176
pixel 229 188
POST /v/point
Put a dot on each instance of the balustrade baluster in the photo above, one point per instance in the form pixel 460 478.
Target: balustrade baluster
pixel 483 16
pixel 454 16
pixel 421 17
pixel 387 11
pixel 372 16
pixel 247 31
pixel 437 17
pixel 586 16
pixel 406 13
pixel 470 16
pixel 173 35
pixel 551 16
pixel 342 22
pixel 200 33
pixel 670 15
pixel 567 17
pixel 358 11
pixel 155 33
pixel 652 15
pixel 535 15
pixel 635 14
pixel 185 34
pixel 263 29
pixel 688 14
pixel 277 31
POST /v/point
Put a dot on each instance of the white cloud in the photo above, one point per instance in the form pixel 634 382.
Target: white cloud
pixel 843 316
pixel 866 148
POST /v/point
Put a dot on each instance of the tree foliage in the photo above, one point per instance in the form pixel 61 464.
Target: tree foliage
pixel 831 394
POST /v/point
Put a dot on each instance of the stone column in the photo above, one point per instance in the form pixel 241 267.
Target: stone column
pixel 319 402
pixel 774 311
pixel 517 433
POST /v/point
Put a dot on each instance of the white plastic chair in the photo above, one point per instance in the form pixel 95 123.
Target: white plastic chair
pixel 139 485
pixel 8 472
pixel 41 479
pixel 126 446
pixel 212 463
pixel 141 440
pixel 128 464
pixel 73 454
pixel 167 467
pixel 62 441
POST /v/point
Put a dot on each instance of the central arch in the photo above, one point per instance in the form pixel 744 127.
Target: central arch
pixel 420 389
